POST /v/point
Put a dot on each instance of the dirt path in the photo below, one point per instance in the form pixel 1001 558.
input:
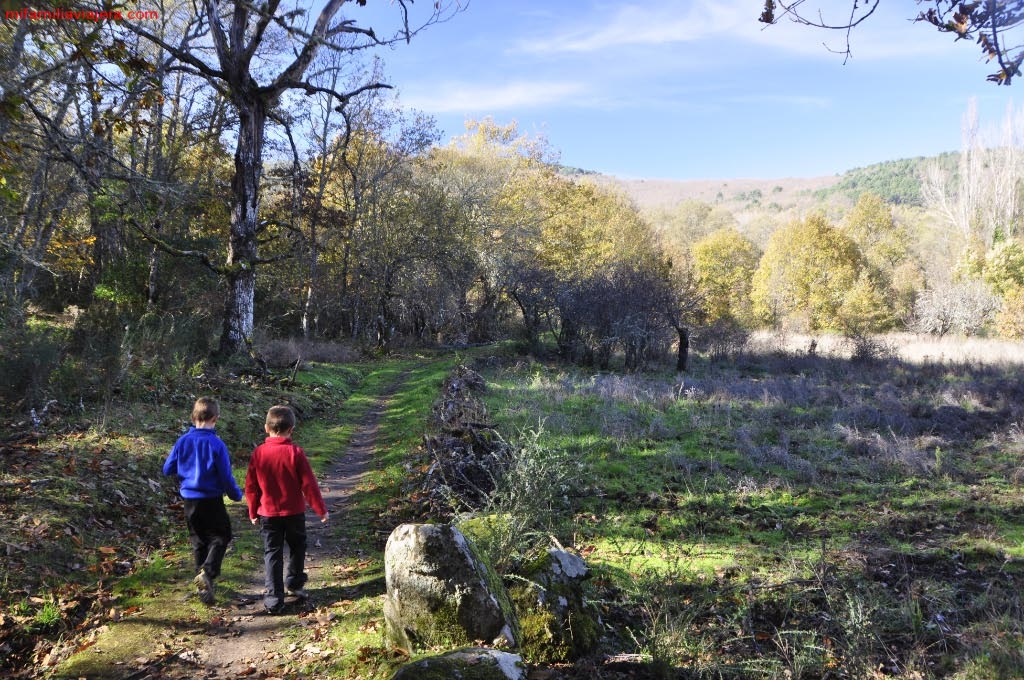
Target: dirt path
pixel 241 640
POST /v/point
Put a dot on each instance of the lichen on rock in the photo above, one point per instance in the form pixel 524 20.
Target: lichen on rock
pixel 441 592
pixel 468 664
pixel 557 622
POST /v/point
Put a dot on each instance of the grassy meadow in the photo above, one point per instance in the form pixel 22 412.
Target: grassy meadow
pixel 788 515
pixel 777 514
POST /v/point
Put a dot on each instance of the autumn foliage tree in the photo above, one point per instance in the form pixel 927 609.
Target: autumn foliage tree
pixel 805 274
pixel 230 47
pixel 724 263
pixel 892 274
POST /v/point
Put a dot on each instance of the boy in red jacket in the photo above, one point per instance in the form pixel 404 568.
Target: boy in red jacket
pixel 278 485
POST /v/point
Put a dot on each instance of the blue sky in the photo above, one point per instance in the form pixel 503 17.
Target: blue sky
pixel 694 89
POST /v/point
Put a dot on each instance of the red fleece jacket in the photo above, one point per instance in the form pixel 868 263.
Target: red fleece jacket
pixel 280 481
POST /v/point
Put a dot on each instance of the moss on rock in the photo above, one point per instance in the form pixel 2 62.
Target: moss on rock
pixel 556 621
pixel 441 592
pixel 467 664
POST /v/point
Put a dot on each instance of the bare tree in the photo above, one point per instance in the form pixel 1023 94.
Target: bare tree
pixel 989 23
pixel 964 308
pixel 981 201
pixel 240 52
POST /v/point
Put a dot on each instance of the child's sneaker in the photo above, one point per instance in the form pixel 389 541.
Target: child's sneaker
pixel 204 587
pixel 299 593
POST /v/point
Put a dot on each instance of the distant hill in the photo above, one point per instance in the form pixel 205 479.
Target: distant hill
pixel 734 194
pixel 898 182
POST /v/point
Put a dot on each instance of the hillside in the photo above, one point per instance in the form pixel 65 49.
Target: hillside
pixel 897 181
pixel 661 194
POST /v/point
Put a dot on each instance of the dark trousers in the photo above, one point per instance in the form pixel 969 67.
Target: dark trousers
pixel 209 531
pixel 278 532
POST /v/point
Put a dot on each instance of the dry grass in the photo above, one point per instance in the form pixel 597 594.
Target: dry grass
pixel 284 353
pixel 652 194
pixel 788 514
pixel 909 347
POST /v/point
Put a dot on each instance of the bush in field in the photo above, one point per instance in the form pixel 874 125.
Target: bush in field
pixel 531 500
pixel 722 339
pixel 965 308
pixel 1010 321
pixel 620 308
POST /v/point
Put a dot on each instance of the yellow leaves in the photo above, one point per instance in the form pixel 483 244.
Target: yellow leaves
pixel 724 263
pixel 586 228
pixel 68 251
pixel 804 275
pixel 864 308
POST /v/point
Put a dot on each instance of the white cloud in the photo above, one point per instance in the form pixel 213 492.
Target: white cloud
pixel 452 97
pixel 731 23
pixel 650 24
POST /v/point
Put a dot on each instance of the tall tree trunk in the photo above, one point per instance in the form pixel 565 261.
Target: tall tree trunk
pixel 242 245
pixel 683 358
pixel 108 243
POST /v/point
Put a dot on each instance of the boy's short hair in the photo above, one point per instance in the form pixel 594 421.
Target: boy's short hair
pixel 280 419
pixel 205 409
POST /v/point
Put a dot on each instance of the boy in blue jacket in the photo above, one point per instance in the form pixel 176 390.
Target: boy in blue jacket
pixel 201 459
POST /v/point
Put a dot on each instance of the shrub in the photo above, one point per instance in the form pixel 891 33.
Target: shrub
pixel 532 498
pixel 28 354
pixel 961 308
pixel 284 352
pixel 1010 320
pixel 722 339
pixel 1004 266
pixel 867 348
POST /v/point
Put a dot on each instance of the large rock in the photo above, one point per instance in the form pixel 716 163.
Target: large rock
pixel 557 622
pixel 441 593
pixel 467 664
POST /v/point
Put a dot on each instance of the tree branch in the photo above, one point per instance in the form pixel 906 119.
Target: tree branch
pixel 180 53
pixel 266 16
pixel 297 68
pixel 311 89
pixel 177 252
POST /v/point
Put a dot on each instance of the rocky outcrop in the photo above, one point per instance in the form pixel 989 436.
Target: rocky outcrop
pixel 467 664
pixel 441 593
pixel 466 453
pixel 557 622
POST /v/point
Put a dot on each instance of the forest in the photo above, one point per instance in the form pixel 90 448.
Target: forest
pixel 138 213
pixel 228 206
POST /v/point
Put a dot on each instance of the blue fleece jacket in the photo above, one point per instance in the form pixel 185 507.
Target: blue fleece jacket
pixel 201 459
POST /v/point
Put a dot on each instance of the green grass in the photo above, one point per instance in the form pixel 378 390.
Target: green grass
pixel 151 605
pixel 357 634
pixel 793 510
pixel 769 520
